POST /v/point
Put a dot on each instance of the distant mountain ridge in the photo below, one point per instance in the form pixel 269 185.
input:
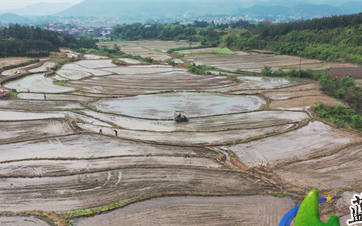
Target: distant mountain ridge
pixel 150 8
pixel 40 9
pixel 12 18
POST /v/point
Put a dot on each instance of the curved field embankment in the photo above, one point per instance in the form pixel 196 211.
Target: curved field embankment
pixel 191 210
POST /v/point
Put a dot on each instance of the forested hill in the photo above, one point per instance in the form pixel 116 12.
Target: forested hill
pixel 337 38
pixel 29 41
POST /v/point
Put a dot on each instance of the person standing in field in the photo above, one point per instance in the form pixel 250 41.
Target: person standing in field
pixel 100 131
pixel 116 132
pixel 45 97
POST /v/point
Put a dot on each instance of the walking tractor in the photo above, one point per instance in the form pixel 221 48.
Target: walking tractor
pixel 179 116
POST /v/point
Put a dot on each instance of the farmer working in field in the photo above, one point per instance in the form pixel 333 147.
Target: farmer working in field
pixel 116 132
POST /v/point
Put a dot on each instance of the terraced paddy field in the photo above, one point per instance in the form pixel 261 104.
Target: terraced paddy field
pixel 251 151
pixel 314 138
pixel 132 81
pixel 93 190
pixel 12 61
pixel 235 210
pixel 199 104
pixel 255 62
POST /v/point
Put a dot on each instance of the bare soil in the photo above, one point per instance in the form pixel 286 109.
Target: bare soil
pixel 34 105
pixel 27 130
pixel 47 168
pixel 206 124
pixel 99 189
pixel 315 138
pixel 147 83
pixel 189 138
pixel 12 61
pixel 15 70
pixel 332 171
pixel 43 68
pixel 38 96
pixel 28 221
pixel 254 62
pixel 92 146
pixel 233 210
pixel 305 102
pixel 278 95
pixel 161 106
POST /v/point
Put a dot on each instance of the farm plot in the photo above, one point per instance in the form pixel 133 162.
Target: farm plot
pixel 93 57
pixel 300 87
pixel 33 105
pixel 206 124
pixel 73 75
pixel 277 95
pixel 85 146
pixel 37 83
pixel 235 210
pixel 25 115
pixel 93 190
pixel 262 83
pixel 315 138
pixel 133 84
pixel 161 106
pixel 38 96
pixel 43 68
pixel 130 61
pixel 28 221
pixel 142 69
pixel 302 103
pixel 189 138
pixel 15 70
pixel 67 167
pixel 94 64
pixel 81 70
pixel 254 62
pixel 12 61
pixel 27 130
pixel 337 170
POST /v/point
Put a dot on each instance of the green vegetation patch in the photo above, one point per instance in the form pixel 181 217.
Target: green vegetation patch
pixel 340 115
pixel 13 95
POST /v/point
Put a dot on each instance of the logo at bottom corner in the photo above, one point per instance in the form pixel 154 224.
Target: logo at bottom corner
pixel 356 210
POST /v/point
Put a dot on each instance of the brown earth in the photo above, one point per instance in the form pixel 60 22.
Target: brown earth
pixel 332 171
pixel 93 146
pixel 33 105
pixel 12 61
pixel 277 95
pixel 233 210
pixel 140 84
pixel 28 221
pixel 27 130
pixel 301 103
pixel 315 138
pixel 99 189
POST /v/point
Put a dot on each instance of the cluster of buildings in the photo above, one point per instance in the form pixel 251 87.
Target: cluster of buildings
pixel 83 31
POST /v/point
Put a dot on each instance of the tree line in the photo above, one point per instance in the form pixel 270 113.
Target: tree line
pixel 29 41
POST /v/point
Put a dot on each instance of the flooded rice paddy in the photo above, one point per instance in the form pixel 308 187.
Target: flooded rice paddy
pixel 37 83
pixel 195 104
pixel 235 210
pixel 236 151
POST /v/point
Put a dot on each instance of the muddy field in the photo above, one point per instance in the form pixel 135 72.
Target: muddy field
pixel 28 221
pixel 206 124
pixel 33 105
pixel 35 129
pixel 337 170
pixel 38 96
pixel 189 138
pixel 280 95
pixel 98 189
pixel 235 210
pixel 315 138
pixel 162 106
pixel 37 83
pixel 43 68
pixel 12 61
pixel 134 82
pixel 85 146
pixel 254 62
pixel 53 156
pixel 305 102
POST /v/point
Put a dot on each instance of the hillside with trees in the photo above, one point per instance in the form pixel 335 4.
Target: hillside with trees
pixel 30 41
